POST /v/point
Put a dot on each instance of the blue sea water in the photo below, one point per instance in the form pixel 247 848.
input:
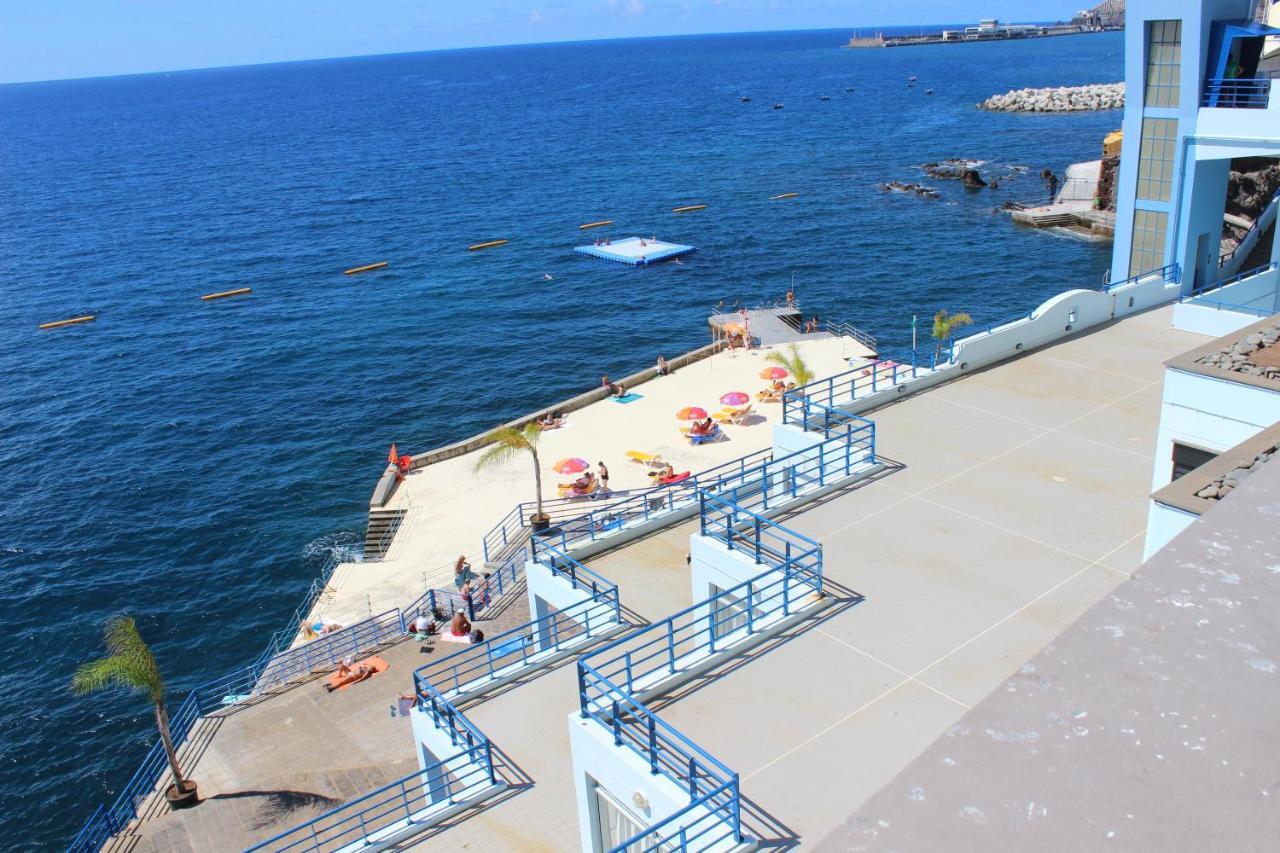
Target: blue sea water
pixel 193 463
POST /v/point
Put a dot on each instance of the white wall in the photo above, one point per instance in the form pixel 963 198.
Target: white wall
pixel 548 591
pixel 1208 319
pixel 1213 414
pixel 712 563
pixel 623 774
pixel 1163 523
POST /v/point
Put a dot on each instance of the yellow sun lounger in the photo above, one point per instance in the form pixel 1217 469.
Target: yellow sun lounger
pixel 651 460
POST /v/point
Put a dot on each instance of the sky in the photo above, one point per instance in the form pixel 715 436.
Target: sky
pixel 58 39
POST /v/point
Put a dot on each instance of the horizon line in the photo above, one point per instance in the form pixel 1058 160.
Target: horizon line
pixel 459 49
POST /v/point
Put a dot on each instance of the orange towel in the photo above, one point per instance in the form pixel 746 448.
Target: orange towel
pixel 375 664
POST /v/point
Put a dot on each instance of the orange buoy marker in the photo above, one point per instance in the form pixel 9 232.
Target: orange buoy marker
pixel 595 224
pixel 688 208
pixel 58 324
pixel 784 195
pixel 487 245
pixel 379 265
pixel 224 294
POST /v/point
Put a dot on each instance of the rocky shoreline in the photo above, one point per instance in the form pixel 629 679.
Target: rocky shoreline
pixel 1063 99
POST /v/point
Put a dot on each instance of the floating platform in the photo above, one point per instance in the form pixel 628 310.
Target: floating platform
pixel 636 251
pixel 366 268
pixel 73 321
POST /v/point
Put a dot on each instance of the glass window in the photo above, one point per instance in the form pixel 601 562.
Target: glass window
pixel 1155 158
pixel 1146 252
pixel 1187 458
pixel 1164 63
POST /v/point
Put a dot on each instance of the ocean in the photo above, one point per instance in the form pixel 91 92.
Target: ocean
pixel 193 463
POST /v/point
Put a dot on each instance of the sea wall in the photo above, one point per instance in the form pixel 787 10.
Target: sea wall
pixel 475 442
pixel 1063 99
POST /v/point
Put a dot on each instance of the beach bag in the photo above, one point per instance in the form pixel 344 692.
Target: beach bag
pixel 477 636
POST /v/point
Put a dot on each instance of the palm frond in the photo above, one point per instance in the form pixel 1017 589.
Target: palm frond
pixel 130 665
pixel 507 444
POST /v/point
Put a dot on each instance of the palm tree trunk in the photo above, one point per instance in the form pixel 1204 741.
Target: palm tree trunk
pixel 162 723
pixel 537 479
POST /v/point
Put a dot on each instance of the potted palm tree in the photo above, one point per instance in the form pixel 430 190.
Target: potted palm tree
pixel 794 364
pixel 505 445
pixel 132 665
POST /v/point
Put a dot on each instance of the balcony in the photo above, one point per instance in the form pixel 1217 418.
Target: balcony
pixel 1238 93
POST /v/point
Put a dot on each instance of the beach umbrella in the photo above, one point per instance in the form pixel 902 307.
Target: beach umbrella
pixel 691 413
pixel 571 465
pixel 732 328
pixel 773 373
pixel 734 398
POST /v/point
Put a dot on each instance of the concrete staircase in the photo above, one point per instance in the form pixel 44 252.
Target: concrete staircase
pixel 383 524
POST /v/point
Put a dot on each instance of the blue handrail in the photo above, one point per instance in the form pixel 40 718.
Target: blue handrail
pixel 402 804
pixel 1240 276
pixel 679 833
pixel 1170 273
pixel 1237 93
pixel 493 657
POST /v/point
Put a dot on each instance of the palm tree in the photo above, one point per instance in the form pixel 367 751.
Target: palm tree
pixel 508 443
pixel 944 324
pixel 133 666
pixel 794 363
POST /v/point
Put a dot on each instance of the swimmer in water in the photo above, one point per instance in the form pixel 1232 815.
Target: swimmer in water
pixel 546 276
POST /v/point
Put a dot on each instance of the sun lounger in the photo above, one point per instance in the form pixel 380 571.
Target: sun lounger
pixel 674 478
pixel 650 460
pixel 710 437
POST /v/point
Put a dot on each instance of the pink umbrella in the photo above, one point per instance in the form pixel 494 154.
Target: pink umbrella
pixel 691 413
pixel 571 465
pixel 735 398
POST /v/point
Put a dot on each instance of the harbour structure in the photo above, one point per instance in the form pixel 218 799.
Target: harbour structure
pixel 987 29
pixel 922 588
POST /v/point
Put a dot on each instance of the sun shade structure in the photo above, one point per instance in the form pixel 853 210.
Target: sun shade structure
pixel 691 413
pixel 734 398
pixel 773 373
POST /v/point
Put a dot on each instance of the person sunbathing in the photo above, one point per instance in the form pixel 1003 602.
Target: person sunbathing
pixel 666 473
pixel 550 421
pixel 347 674
pixel 584 482
pixel 459 627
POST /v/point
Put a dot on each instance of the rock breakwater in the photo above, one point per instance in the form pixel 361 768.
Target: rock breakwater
pixel 1063 99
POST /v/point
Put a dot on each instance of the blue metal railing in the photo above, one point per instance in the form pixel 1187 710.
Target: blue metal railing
pixel 679 832
pixel 824 397
pixel 613 677
pixel 398 805
pixel 1237 93
pixel 408 801
pixel 1170 273
pixel 1240 276
pixel 513 529
pixel 1228 306
pixel 498 654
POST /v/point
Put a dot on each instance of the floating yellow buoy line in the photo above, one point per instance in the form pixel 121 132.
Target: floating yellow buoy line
pixel 240 291
pixel 57 324
pixel 379 265
pixel 595 224
pixel 784 195
pixel 487 245
pixel 688 208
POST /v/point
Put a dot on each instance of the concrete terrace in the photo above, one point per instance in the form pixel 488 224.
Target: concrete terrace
pixel 1017 499
pixel 269 764
pixel 450 506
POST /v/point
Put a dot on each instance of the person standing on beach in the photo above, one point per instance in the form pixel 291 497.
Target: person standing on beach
pixel 602 474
